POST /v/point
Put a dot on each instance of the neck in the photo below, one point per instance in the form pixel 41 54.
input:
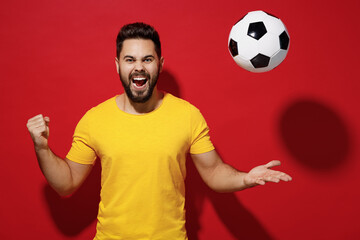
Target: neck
pixel 128 106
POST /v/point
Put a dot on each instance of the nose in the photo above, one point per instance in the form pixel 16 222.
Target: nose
pixel 139 66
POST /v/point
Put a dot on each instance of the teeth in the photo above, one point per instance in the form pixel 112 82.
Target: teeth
pixel 139 81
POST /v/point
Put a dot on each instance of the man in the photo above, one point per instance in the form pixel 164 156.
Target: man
pixel 142 138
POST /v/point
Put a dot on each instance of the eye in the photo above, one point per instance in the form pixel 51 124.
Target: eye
pixel 129 60
pixel 148 60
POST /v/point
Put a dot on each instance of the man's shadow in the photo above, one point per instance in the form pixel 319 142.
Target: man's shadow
pixel 72 215
pixel 240 222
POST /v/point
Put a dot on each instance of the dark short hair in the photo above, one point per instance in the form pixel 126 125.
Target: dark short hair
pixel 138 30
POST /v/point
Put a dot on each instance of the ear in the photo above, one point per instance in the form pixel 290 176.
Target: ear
pixel 117 65
pixel 161 64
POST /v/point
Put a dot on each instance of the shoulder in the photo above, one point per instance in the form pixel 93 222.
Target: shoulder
pixel 182 109
pixel 100 111
pixel 95 116
pixel 107 105
pixel 178 102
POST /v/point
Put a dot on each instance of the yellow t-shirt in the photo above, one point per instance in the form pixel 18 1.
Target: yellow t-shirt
pixel 143 166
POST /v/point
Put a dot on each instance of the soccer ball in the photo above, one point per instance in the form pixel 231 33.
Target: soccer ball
pixel 259 42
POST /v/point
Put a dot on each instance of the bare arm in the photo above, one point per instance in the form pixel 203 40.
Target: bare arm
pixel 63 175
pixel 222 177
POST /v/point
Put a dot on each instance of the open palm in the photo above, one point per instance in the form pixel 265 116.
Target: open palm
pixel 261 174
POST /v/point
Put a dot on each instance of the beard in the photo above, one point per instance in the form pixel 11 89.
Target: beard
pixel 139 96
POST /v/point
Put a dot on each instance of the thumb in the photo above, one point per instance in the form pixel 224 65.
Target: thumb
pixel 273 163
pixel 47 120
pixel 47 132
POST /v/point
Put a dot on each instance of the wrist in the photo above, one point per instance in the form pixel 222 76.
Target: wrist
pixel 41 148
pixel 246 182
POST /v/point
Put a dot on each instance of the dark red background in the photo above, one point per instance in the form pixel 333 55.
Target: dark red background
pixel 57 58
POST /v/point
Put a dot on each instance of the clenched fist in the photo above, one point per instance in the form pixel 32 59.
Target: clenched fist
pixel 38 127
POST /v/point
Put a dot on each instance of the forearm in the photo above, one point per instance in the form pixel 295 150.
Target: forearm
pixel 56 171
pixel 221 177
pixel 224 178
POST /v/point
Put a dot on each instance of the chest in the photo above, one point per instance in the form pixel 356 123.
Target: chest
pixel 141 138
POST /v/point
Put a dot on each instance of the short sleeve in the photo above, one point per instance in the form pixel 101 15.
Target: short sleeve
pixel 81 150
pixel 200 138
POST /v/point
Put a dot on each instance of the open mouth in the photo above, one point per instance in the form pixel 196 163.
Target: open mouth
pixel 139 81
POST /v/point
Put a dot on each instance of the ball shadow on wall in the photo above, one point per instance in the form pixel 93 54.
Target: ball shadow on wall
pixel 73 214
pixel 314 134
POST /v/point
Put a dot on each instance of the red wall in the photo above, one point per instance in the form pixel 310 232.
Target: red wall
pixel 57 58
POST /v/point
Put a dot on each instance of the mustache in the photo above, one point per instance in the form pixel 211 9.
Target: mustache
pixel 139 74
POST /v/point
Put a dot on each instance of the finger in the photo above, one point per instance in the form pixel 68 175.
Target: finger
pixel 37 117
pixel 36 123
pixel 272 179
pixel 285 177
pixel 280 176
pixel 38 133
pixel 47 120
pixel 38 130
pixel 35 120
pixel 260 181
pixel 37 126
pixel 273 163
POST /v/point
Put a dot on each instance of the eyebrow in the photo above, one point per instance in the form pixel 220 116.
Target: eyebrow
pixel 147 56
